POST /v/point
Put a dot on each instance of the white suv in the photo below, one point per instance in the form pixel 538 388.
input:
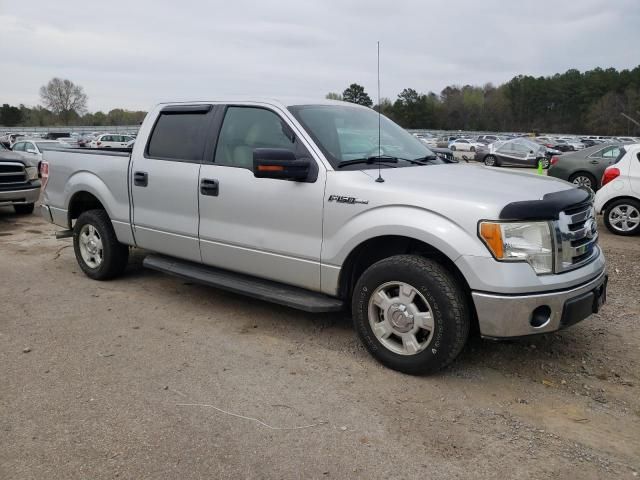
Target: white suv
pixel 619 197
pixel 109 140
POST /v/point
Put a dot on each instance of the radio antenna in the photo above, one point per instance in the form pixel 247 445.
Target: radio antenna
pixel 379 179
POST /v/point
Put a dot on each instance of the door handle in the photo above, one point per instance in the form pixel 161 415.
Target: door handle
pixel 594 162
pixel 209 186
pixel 141 179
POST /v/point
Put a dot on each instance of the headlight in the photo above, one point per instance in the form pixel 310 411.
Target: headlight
pixel 32 173
pixel 520 241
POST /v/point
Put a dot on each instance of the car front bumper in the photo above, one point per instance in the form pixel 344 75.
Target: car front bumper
pixel 12 197
pixel 503 316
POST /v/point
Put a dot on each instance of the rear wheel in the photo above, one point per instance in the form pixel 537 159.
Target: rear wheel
pixel 545 163
pixel 622 217
pixel 97 249
pixel 583 179
pixel 411 314
pixel 24 208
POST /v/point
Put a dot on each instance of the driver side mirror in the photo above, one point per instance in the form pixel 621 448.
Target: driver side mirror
pixel 282 164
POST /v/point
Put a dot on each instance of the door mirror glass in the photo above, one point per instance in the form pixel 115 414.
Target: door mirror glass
pixel 280 163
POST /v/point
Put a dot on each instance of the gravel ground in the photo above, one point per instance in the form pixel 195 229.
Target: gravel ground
pixel 132 378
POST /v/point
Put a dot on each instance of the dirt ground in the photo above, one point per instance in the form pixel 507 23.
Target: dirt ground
pixel 132 378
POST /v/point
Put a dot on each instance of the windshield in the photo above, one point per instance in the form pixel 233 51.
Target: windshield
pixel 346 133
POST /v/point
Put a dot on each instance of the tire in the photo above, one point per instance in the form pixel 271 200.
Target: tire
pixel 435 292
pixel 584 179
pixel 545 163
pixel 491 161
pixel 472 149
pixel 622 217
pixel 105 258
pixel 453 148
pixel 24 208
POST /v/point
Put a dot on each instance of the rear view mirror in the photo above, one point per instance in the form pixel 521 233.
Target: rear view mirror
pixel 282 164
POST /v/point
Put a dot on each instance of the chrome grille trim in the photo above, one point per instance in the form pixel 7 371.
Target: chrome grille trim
pixel 576 238
pixel 12 173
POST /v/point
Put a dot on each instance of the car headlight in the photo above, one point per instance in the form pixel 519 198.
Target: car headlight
pixel 520 241
pixel 32 173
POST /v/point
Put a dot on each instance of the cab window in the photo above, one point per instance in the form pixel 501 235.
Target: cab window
pixel 247 128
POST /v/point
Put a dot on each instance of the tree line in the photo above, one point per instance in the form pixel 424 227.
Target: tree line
pixel 572 102
pixel 64 103
pixel 598 101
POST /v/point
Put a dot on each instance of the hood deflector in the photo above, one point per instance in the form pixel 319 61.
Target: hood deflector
pixel 549 207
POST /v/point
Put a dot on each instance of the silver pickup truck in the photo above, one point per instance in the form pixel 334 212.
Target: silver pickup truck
pixel 323 206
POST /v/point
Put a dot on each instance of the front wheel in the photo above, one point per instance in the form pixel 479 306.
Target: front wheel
pixel 97 249
pixel 411 314
pixel 452 148
pixel 490 161
pixel 622 217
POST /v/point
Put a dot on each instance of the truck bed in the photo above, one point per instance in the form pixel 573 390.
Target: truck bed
pixel 102 173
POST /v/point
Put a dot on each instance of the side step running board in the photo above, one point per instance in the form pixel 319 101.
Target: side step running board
pixel 245 285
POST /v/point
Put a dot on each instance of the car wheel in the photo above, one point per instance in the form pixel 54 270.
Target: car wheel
pixel 96 246
pixel 472 149
pixel 453 148
pixel 583 179
pixel 411 314
pixel 24 208
pixel 622 217
pixel 545 163
pixel 490 161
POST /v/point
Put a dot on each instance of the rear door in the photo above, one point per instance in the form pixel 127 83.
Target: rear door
pixel 264 227
pixel 634 172
pixel 164 181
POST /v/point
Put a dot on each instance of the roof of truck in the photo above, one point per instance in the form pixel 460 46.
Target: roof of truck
pixel 282 101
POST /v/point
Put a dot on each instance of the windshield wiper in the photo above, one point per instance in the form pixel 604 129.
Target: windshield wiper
pixel 420 160
pixel 369 160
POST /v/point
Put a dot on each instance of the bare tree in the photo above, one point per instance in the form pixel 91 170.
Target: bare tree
pixel 64 98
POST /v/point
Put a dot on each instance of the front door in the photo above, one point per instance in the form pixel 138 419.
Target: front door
pixel 269 228
pixel 164 181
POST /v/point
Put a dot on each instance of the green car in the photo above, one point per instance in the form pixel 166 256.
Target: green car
pixel 585 167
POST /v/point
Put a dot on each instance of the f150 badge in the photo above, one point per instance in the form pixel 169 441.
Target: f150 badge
pixel 343 199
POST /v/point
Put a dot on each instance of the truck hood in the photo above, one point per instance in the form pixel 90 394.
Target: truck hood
pixel 462 193
pixel 14 157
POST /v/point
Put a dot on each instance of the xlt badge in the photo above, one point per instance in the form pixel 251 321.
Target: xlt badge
pixel 343 199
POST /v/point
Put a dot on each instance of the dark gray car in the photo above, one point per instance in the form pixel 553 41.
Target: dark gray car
pixel 585 167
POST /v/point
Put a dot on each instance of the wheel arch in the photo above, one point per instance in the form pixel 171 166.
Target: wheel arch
pixel 378 248
pixel 615 199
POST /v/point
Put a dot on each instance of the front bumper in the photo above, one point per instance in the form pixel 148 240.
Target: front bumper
pixel 27 195
pixel 502 316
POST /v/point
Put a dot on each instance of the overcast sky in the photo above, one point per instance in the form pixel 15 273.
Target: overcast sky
pixel 136 53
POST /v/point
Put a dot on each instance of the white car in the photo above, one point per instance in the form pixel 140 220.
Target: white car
pixel 111 140
pixel 33 147
pixel 464 145
pixel 619 197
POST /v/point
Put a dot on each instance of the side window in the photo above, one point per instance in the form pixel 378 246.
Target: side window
pixel 107 138
pixel 18 147
pixel 247 128
pixel 612 152
pixel 179 136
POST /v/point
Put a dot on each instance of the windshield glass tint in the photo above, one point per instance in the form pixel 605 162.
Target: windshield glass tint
pixel 347 133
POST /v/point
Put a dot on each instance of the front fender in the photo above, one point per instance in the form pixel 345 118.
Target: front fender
pixel 412 222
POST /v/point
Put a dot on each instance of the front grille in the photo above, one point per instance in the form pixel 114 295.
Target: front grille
pixel 12 173
pixel 576 237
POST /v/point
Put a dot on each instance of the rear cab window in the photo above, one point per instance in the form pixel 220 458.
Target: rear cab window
pixel 179 134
